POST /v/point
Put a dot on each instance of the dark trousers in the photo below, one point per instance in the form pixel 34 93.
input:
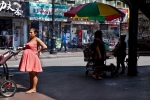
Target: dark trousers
pixel 74 46
pixel 120 61
pixel 63 44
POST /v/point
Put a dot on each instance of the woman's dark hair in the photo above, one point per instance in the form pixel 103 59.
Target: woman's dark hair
pixel 35 30
pixel 122 37
pixel 98 34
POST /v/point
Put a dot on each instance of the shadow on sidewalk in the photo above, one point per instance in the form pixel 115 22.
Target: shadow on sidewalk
pixel 71 83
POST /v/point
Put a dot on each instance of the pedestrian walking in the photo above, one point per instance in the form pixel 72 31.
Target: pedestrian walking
pixel 63 42
pixel 99 54
pixel 30 61
pixel 120 54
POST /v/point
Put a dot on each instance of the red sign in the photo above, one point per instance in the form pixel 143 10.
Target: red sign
pixel 79 38
pixel 124 26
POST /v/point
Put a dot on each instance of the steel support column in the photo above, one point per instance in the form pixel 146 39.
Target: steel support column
pixel 133 27
pixel 53 39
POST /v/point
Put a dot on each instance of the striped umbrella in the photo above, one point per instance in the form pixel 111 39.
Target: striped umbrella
pixel 95 11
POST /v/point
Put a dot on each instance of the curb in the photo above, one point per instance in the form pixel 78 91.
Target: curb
pixel 59 55
pixel 47 55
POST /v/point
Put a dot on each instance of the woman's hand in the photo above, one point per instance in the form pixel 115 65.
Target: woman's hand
pixel 19 48
pixel 37 53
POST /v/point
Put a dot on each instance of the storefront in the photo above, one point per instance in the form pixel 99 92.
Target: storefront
pixel 13 23
pixel 40 17
pixel 81 30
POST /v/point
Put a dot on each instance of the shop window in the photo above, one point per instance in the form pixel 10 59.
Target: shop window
pixel 6 32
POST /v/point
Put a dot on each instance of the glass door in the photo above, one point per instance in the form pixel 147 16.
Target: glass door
pixel 6 35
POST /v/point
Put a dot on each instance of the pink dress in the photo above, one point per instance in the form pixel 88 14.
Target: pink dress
pixel 30 61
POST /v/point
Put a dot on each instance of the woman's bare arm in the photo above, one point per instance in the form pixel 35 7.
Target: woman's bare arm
pixel 20 48
pixel 42 44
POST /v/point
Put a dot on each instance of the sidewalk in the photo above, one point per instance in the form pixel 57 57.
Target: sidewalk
pixel 70 83
pixel 46 54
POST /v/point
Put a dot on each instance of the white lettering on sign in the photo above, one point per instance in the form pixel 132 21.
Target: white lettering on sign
pixel 5 6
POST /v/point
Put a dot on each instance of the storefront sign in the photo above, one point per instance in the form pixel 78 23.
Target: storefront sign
pixel 43 12
pixel 104 26
pixel 7 7
pixel 83 22
pixel 126 12
pixel 124 28
pixel 10 9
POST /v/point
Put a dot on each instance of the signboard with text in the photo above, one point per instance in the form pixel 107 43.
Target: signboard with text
pixel 43 12
pixel 11 9
pixel 124 28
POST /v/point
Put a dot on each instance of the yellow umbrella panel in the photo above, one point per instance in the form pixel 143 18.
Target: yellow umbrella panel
pixel 98 18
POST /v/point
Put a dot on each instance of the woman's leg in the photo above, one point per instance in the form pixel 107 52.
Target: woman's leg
pixel 33 82
pixel 118 65
pixel 123 65
pixel 97 70
pixel 97 67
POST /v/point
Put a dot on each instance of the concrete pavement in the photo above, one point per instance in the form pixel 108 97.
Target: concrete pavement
pixel 75 85
pixel 67 81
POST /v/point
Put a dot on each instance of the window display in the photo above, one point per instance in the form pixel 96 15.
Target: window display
pixel 5 33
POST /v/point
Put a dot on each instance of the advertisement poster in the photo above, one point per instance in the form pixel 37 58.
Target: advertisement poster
pixel 40 30
pixel 58 43
pixel 84 37
pixel 79 38
pixel 68 37
pixel 74 30
pixel 16 34
pixel 123 28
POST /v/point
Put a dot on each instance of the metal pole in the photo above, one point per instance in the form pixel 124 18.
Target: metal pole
pixel 53 39
pixel 133 27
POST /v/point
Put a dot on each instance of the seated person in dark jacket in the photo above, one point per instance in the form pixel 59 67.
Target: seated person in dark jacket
pixel 74 43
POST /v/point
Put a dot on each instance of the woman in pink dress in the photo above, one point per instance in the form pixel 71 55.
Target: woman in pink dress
pixel 30 61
